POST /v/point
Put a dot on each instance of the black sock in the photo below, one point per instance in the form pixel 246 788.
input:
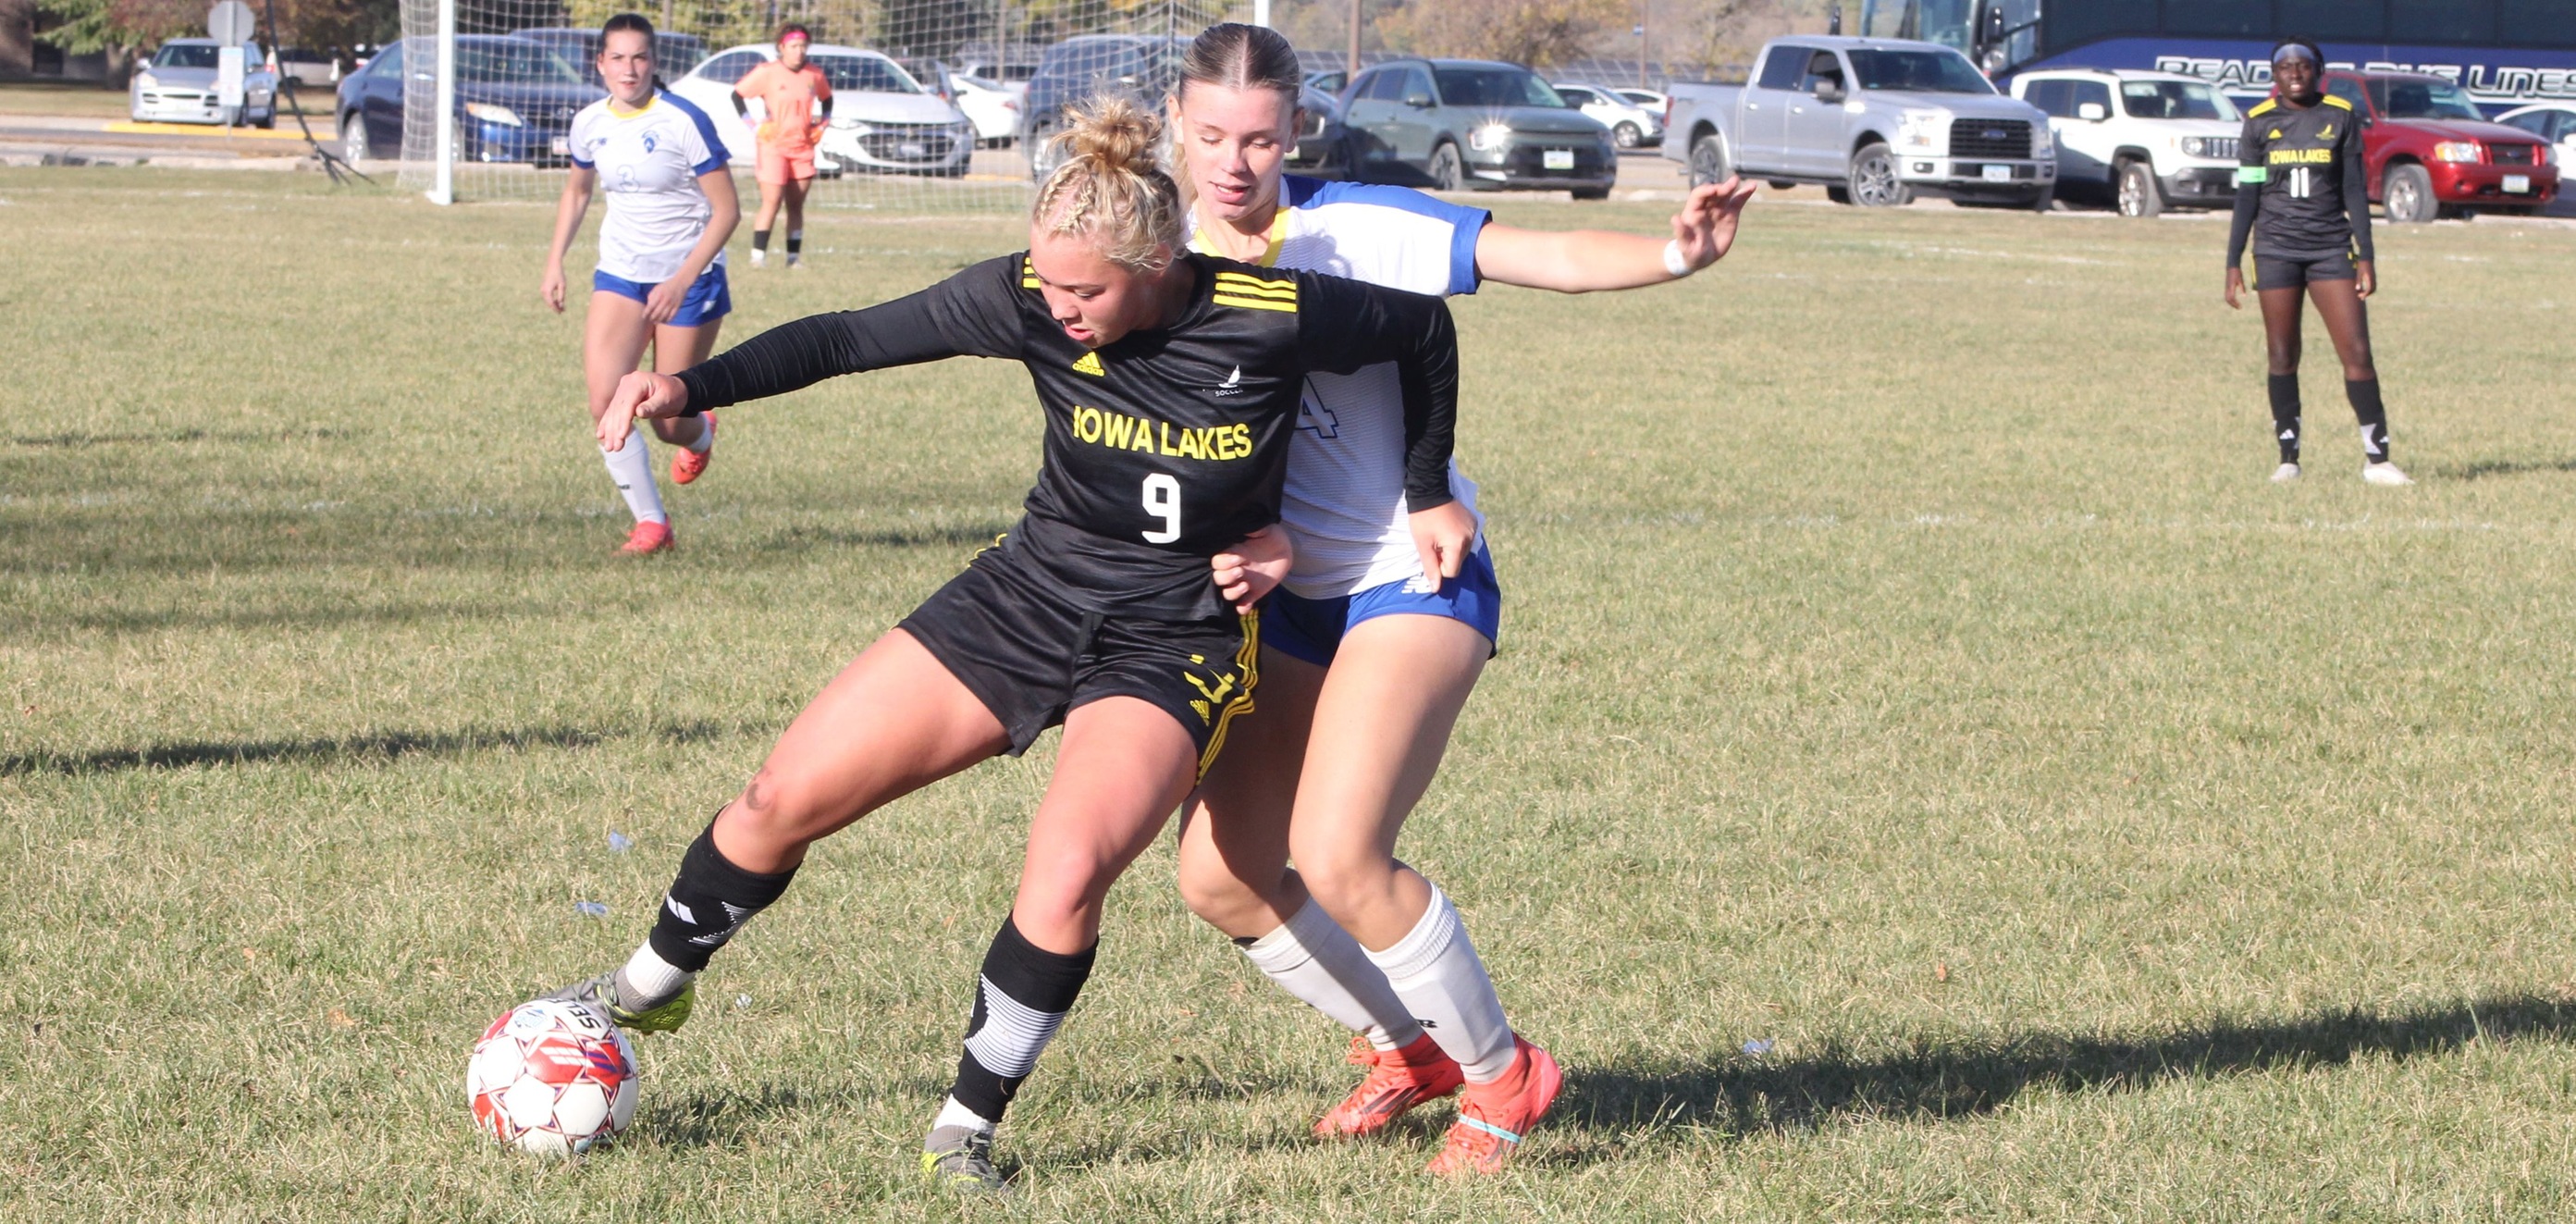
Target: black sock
pixel 2285 414
pixel 795 241
pixel 710 900
pixel 1021 998
pixel 2373 416
pixel 760 240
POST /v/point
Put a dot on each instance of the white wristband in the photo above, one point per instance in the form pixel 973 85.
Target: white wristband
pixel 1675 262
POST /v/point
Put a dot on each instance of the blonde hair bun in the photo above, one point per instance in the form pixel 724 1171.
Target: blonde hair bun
pixel 1111 186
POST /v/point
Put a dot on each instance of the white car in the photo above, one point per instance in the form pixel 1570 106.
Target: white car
pixel 1652 100
pixel 2554 122
pixel 178 86
pixel 1631 126
pixel 994 109
pixel 882 119
pixel 2140 141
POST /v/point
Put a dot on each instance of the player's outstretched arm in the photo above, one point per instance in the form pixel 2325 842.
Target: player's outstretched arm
pixel 1581 261
pixel 569 208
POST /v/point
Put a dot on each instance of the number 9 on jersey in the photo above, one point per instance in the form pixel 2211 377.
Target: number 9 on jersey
pixel 1163 501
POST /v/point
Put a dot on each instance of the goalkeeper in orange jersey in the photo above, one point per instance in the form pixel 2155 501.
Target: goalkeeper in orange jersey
pixel 796 101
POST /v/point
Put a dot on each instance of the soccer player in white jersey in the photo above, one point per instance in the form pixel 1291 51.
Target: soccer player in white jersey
pixel 1374 641
pixel 661 275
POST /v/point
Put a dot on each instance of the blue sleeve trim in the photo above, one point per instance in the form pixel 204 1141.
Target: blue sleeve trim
pixel 576 160
pixel 1466 223
pixel 712 164
pixel 706 131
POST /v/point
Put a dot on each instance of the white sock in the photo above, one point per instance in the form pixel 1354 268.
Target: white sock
pixel 1435 971
pixel 706 436
pixel 653 980
pixel 1313 958
pixel 955 1113
pixel 632 469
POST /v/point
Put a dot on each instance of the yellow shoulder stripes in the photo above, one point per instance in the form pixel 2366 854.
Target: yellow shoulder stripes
pixel 1255 293
pixel 1028 273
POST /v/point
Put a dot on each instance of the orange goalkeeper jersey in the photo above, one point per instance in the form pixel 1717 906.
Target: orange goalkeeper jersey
pixel 791 102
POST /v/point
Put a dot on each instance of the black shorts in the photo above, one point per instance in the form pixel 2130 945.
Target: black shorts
pixel 2272 272
pixel 1032 656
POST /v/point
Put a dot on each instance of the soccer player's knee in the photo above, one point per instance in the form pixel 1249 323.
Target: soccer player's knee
pixel 776 812
pixel 1344 879
pixel 1212 891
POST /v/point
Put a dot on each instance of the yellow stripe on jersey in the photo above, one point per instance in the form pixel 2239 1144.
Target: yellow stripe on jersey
pixel 1028 273
pixel 1247 662
pixel 1244 303
pixel 1238 283
pixel 2334 101
pixel 2268 105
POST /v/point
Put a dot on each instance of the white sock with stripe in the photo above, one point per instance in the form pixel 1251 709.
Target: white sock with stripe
pixel 632 468
pixel 1314 959
pixel 1435 971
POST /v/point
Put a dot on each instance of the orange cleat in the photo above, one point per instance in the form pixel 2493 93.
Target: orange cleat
pixel 1397 1081
pixel 688 465
pixel 1493 1117
pixel 648 538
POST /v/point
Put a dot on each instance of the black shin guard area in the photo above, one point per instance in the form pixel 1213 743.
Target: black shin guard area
pixel 760 240
pixel 795 241
pixel 710 900
pixel 2373 416
pixel 1020 1000
pixel 2285 414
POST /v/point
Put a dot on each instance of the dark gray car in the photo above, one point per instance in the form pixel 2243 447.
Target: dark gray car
pixel 1458 124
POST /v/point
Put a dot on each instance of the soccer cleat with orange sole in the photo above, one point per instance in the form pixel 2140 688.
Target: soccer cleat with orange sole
pixel 1492 1118
pixel 648 538
pixel 1397 1081
pixel 688 465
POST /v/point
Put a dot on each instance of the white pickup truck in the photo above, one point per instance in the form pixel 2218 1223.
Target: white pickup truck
pixel 1873 119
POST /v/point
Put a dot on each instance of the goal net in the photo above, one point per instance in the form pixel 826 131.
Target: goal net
pixel 930 109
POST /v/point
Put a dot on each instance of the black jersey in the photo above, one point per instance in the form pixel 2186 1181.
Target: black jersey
pixel 1163 448
pixel 2302 177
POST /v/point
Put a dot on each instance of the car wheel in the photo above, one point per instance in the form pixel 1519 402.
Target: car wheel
pixel 1709 162
pixel 1626 135
pixel 1445 171
pixel 1591 193
pixel 2410 195
pixel 1873 178
pixel 2139 195
pixel 1838 193
pixel 1780 184
pixel 353 138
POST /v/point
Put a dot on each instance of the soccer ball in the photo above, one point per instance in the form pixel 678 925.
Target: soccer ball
pixel 553 1077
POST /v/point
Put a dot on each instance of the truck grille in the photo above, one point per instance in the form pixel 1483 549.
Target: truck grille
pixel 2515 154
pixel 1989 138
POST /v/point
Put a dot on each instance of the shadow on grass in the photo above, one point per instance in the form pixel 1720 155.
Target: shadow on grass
pixel 2484 468
pixel 77 440
pixel 385 746
pixel 807 539
pixel 117 620
pixel 1742 1096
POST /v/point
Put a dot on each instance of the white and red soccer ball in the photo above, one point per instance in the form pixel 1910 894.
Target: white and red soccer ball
pixel 553 1077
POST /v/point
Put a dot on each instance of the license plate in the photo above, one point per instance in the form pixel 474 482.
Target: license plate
pixel 911 148
pixel 1557 159
pixel 2518 184
pixel 561 145
pixel 1998 174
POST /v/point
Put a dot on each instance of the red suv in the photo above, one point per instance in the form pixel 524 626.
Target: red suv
pixel 2432 153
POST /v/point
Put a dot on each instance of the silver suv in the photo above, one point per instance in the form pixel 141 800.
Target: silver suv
pixel 1455 124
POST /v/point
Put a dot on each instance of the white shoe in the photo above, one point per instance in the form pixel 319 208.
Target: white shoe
pixel 2285 473
pixel 795 261
pixel 2384 474
pixel 759 258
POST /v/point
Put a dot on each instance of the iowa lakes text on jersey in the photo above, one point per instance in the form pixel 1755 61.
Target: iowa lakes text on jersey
pixel 1119 431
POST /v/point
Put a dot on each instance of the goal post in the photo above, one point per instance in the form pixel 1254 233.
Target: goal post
pixel 929 95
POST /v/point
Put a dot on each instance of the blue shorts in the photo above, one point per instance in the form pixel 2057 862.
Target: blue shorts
pixel 1312 629
pixel 709 299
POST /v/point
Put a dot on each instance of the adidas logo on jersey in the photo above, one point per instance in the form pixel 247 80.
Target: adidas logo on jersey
pixel 1089 363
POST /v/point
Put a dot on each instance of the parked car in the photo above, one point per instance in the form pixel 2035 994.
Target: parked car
pixel 1454 124
pixel 306 66
pixel 1140 67
pixel 882 119
pixel 1010 74
pixel 2554 122
pixel 515 99
pixel 1328 82
pixel 673 54
pixel 178 86
pixel 1631 126
pixel 994 110
pixel 2139 141
pixel 2433 153
pixel 1653 100
pixel 1873 119
pixel 1321 141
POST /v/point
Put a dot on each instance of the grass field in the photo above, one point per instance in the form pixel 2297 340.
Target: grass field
pixel 85 99
pixel 1907 666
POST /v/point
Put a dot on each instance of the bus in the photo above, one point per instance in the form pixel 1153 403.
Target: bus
pixel 2505 53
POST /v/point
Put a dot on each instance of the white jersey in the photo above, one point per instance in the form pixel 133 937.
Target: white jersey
pixel 1344 501
pixel 649 163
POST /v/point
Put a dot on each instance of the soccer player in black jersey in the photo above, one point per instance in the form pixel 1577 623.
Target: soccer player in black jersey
pixel 1170 384
pixel 2302 194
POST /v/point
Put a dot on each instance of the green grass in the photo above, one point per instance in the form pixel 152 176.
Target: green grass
pixel 1906 665
pixel 84 99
